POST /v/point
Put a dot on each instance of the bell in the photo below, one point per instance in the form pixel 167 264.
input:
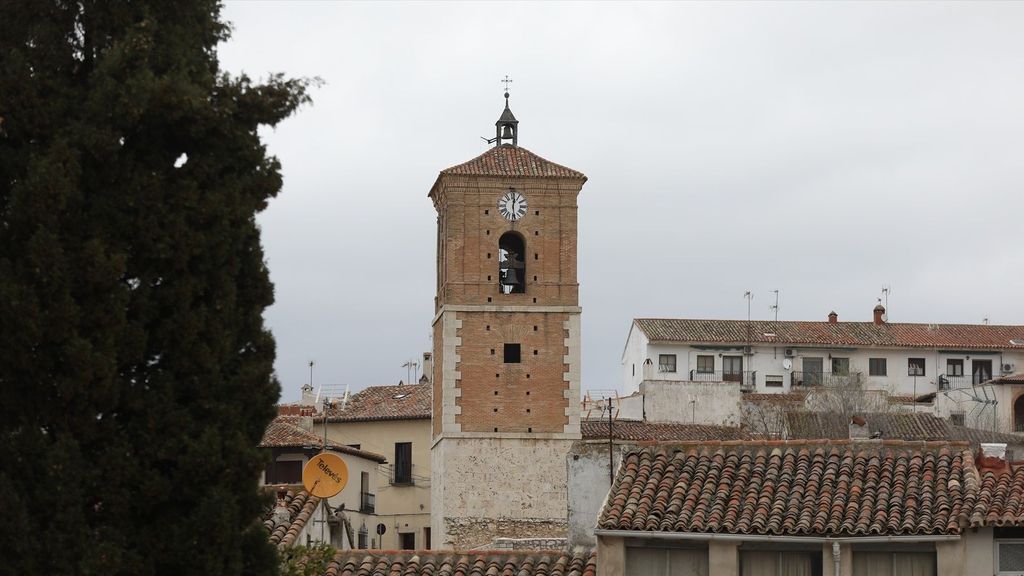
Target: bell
pixel 506 132
pixel 511 278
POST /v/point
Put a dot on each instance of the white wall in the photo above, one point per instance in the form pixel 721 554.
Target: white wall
pixel 769 360
pixel 716 403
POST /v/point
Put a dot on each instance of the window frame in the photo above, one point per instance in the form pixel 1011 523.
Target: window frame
pixel 704 358
pixel 873 367
pixel 402 468
pixel 664 366
pixel 913 364
pixel 837 362
pixel 957 363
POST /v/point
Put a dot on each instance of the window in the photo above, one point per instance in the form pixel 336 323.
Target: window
pixel 870 563
pixel 511 354
pixel 915 366
pixel 732 368
pixel 407 540
pixel 841 366
pixel 705 363
pixel 772 563
pixel 367 501
pixel 773 381
pixel 426 538
pixel 361 542
pixel 876 367
pixel 284 472
pixel 403 463
pixel 954 367
pixel 666 362
pixel 957 418
pixel 666 561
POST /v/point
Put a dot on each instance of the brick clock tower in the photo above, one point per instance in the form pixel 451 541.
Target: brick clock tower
pixel 506 335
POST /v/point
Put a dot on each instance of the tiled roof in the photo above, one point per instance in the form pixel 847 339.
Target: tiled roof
pixel 408 402
pixel 288 516
pixel 1011 379
pixel 780 398
pixel 638 430
pixel 817 488
pixel 512 161
pixel 1000 500
pixel 894 426
pixel 286 432
pixel 474 563
pixel 889 335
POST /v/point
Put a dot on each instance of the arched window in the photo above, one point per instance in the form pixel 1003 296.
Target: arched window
pixel 511 263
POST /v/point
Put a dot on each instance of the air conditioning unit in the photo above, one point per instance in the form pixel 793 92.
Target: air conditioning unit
pixel 790 352
pixel 1007 368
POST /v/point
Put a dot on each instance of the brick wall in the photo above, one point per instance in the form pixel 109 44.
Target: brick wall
pixel 528 396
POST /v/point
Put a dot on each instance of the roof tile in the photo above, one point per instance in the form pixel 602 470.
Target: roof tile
pixel 403 402
pixel 819 488
pixel 891 335
pixel 287 432
pixel 512 161
pixel 476 562
pixel 640 431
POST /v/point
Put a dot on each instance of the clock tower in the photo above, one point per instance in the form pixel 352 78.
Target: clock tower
pixel 506 333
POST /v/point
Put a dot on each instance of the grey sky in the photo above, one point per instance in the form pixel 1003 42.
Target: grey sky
pixel 820 149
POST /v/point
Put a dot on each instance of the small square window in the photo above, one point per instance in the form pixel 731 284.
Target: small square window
pixel 512 354
pixel 876 367
pixel 957 418
pixel 773 381
pixel 954 367
pixel 666 362
pixel 705 363
pixel 915 366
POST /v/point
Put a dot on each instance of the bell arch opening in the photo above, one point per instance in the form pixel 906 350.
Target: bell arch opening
pixel 511 264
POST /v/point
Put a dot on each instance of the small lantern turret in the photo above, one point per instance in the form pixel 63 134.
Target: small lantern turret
pixel 507 127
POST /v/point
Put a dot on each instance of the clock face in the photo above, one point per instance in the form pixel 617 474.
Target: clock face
pixel 512 205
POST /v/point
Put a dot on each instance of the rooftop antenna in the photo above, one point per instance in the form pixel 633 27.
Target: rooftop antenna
pixel 410 367
pixel 749 296
pixel 884 300
pixel 775 307
pixel 317 399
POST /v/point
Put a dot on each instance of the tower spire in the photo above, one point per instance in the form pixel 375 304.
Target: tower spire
pixel 507 127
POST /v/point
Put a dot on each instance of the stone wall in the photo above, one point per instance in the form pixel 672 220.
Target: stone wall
pixel 589 483
pixel 717 403
pixel 498 488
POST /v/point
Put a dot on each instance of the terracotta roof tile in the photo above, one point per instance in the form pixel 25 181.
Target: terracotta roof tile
pixel 408 402
pixel 512 161
pixel 473 563
pixel 791 488
pixel 638 430
pixel 895 426
pixel 889 335
pixel 1011 379
pixel 1000 499
pixel 289 515
pixel 287 432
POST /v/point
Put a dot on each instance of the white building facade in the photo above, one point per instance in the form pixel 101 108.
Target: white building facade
pixel 787 356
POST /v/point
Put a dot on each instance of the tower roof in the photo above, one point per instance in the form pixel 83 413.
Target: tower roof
pixel 512 161
pixel 506 115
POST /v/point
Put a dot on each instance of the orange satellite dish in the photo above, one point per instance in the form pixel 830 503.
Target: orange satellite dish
pixel 325 475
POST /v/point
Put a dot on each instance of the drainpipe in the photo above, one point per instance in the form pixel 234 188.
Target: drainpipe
pixel 835 556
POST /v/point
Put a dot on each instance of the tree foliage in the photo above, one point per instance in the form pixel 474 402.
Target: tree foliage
pixel 135 370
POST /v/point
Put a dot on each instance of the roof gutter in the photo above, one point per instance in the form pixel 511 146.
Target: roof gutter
pixel 705 536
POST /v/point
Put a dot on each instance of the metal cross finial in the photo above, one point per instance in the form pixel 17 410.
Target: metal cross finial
pixel 506 82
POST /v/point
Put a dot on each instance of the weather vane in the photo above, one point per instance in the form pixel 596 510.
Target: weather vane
pixel 506 82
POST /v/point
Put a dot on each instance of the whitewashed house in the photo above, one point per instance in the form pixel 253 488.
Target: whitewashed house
pixel 694 362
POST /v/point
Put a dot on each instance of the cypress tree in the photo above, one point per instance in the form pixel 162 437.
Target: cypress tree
pixel 135 369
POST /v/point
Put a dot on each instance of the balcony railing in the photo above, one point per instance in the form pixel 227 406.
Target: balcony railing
pixel 798 378
pixel 954 382
pixel 400 475
pixel 747 379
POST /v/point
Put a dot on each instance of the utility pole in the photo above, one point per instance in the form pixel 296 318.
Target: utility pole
pixel 611 454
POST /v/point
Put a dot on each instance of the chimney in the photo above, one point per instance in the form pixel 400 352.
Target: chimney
pixel 833 318
pixel 858 428
pixel 308 398
pixel 428 368
pixel 992 457
pixel 879 315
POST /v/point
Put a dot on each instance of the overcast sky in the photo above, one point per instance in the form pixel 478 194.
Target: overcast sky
pixel 823 150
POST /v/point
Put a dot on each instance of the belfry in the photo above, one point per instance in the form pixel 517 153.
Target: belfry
pixel 506 339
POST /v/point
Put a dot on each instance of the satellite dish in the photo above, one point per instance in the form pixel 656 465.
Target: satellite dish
pixel 787 364
pixel 325 475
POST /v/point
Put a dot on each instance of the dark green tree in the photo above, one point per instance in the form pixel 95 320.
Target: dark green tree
pixel 135 369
